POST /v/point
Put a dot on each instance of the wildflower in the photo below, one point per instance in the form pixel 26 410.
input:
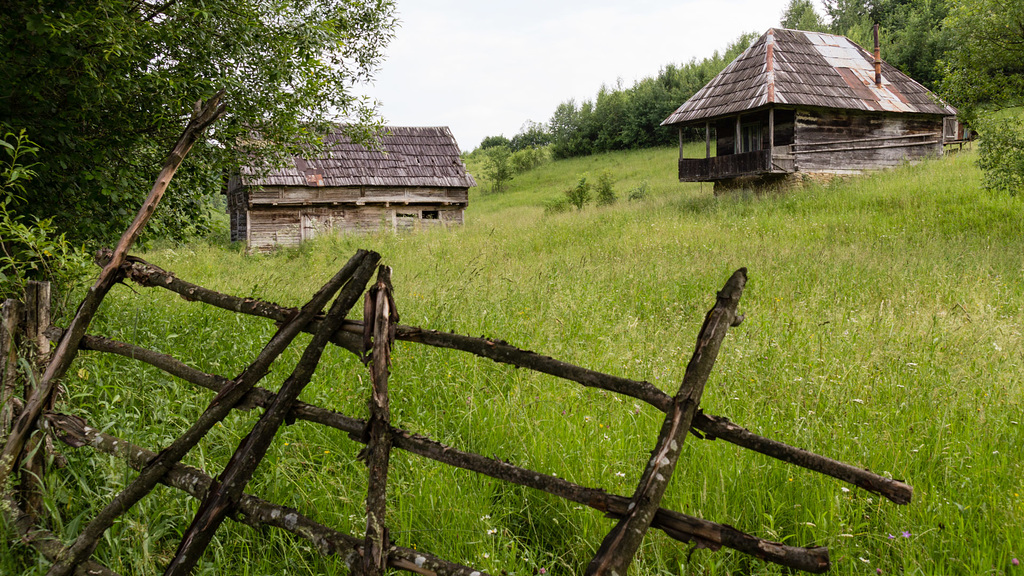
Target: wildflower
pixel 485 517
pixel 864 560
pixel 544 570
pixel 844 489
pixel 906 534
pixel 606 437
pixel 620 474
pixel 492 531
pixel 486 555
pixel 327 451
pixel 891 537
pixel 1015 562
pixel 878 570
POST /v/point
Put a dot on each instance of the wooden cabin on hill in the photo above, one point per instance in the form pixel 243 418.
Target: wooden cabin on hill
pixel 798 105
pixel 415 180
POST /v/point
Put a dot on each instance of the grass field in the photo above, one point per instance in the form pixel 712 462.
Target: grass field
pixel 883 328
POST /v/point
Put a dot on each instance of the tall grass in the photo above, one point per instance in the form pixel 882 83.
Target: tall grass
pixel 883 328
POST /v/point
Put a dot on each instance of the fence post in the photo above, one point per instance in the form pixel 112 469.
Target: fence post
pixel 8 363
pixel 37 346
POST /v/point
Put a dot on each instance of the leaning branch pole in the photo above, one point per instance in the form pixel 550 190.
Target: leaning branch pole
pixel 620 545
pixel 68 346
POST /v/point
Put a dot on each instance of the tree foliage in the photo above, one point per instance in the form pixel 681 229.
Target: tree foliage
pixel 626 118
pixel 105 86
pixel 801 15
pixel 985 69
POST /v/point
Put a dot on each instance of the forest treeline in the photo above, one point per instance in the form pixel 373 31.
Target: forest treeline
pixel 619 118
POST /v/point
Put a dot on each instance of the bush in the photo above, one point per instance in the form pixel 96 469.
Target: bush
pixel 605 190
pixel 579 195
pixel 31 251
pixel 499 168
pixel 1002 154
pixel 556 206
pixel 527 159
pixel 639 192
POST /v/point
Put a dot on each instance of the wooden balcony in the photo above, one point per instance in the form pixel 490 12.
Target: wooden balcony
pixel 753 163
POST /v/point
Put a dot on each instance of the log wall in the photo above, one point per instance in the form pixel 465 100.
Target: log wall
pixel 285 216
pixel 271 226
pixel 848 142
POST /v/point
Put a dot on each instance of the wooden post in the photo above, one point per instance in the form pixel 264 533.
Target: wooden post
pixel 37 320
pixel 8 364
pixel 680 131
pixel 707 139
pixel 736 147
pixel 771 136
pixel 381 317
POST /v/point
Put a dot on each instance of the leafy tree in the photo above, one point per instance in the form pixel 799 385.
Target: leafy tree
pixel 499 168
pixel 105 86
pixel 985 68
pixel 531 135
pixel 984 75
pixel 494 141
pixel 801 15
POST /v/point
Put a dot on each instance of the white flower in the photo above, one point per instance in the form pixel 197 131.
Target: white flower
pixel 844 488
pixel 492 531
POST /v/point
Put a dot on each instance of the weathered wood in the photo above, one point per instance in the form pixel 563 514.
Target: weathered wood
pixel 8 363
pixel 620 545
pixel 217 410
pixel 68 346
pixel 251 511
pixel 718 426
pixel 378 430
pixel 231 484
pixel 499 351
pixel 37 320
pixel 678 526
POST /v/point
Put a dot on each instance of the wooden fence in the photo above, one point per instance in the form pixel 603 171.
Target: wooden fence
pixel 30 380
pixel 371 339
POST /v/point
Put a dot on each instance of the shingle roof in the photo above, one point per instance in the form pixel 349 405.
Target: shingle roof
pixel 808 69
pixel 409 156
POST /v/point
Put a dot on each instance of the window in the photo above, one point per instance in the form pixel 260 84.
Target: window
pixel 431 215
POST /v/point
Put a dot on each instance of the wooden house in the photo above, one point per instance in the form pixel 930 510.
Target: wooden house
pixel 799 105
pixel 415 180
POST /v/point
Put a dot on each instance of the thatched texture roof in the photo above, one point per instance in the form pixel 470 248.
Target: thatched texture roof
pixel 792 67
pixel 409 156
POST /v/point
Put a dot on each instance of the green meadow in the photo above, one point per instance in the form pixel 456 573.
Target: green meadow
pixel 883 328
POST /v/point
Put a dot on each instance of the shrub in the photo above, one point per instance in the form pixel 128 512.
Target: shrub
pixel 1002 154
pixel 579 195
pixel 556 206
pixel 605 190
pixel 639 192
pixel 527 159
pixel 499 167
pixel 31 251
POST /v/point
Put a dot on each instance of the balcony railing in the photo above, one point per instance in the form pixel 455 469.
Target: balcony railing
pixel 723 167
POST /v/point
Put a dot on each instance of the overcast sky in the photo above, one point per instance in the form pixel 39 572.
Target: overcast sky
pixel 483 67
